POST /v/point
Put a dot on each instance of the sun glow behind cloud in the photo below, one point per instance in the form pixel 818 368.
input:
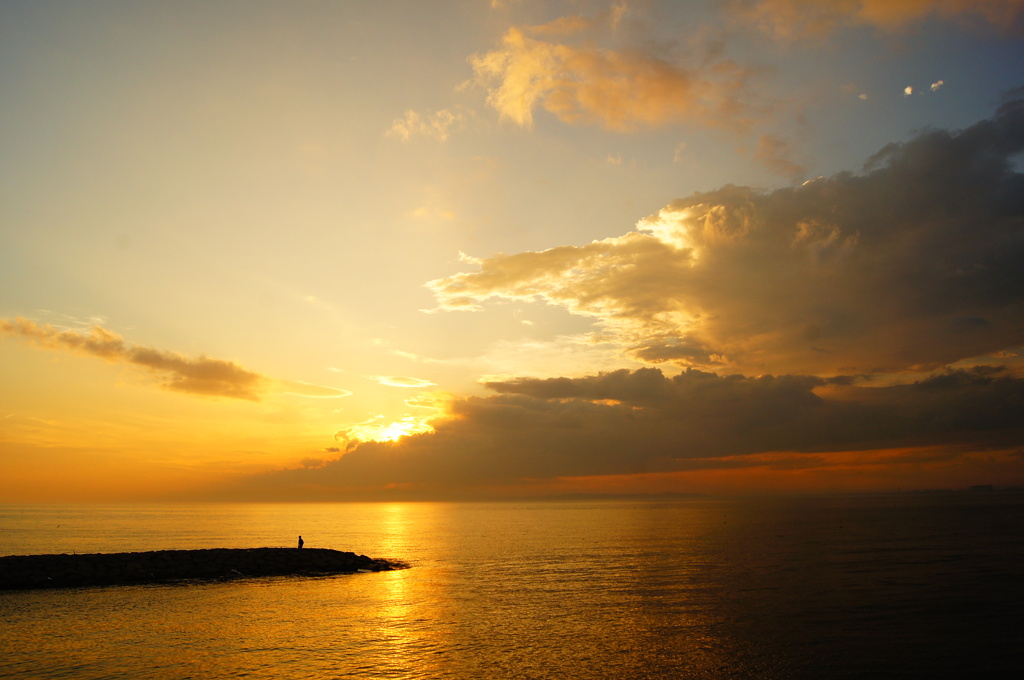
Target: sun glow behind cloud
pixel 380 430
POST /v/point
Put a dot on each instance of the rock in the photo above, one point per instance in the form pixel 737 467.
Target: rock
pixel 20 572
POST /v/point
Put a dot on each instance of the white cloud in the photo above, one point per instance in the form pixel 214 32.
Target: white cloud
pixel 677 153
pixel 438 125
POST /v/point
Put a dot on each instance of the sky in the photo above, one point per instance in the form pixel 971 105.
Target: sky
pixel 496 249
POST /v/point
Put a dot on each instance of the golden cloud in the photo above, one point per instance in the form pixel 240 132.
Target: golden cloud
pixel 618 89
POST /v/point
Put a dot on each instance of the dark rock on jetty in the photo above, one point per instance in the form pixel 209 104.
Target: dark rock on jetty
pixel 19 572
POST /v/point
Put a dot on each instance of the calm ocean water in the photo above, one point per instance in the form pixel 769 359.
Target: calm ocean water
pixel 925 586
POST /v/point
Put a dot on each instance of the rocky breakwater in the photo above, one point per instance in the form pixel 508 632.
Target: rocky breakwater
pixel 20 572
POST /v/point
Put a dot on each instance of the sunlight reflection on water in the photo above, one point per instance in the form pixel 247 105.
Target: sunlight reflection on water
pixel 539 590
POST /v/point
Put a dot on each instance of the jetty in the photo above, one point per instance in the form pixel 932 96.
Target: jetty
pixel 24 572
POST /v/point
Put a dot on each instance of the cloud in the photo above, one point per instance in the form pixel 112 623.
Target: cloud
pixel 437 125
pixel 910 90
pixel 911 265
pixel 379 429
pixel 801 19
pixel 776 155
pixel 202 375
pixel 304 389
pixel 678 153
pixel 896 14
pixel 643 422
pixel 401 381
pixel 620 90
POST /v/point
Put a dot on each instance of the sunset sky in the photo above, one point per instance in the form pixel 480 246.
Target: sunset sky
pixel 315 250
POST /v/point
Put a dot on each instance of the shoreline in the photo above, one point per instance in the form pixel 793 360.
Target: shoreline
pixel 32 572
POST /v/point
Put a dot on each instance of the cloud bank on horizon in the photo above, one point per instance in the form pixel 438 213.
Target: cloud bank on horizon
pixel 795 432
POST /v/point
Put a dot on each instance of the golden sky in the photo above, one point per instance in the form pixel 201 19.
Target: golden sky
pixel 499 248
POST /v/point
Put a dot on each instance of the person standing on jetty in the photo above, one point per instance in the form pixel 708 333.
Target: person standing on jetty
pixel 301 541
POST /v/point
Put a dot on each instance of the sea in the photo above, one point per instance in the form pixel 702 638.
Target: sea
pixel 925 585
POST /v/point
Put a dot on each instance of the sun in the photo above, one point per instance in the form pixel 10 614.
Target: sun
pixel 402 428
pixel 379 430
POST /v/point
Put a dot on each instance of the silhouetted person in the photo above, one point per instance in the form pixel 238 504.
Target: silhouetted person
pixel 301 541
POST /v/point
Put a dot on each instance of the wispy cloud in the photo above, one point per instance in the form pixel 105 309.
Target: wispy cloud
pixel 313 391
pixel 193 375
pixel 777 155
pixel 401 381
pixel 437 125
pixel 802 19
pixel 911 265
